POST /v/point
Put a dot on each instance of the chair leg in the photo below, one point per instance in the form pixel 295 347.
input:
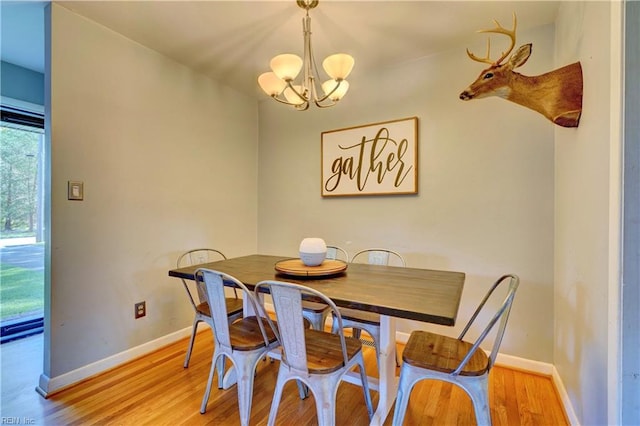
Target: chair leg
pixel 334 325
pixel 324 392
pixel 220 365
pixel 205 398
pixel 303 390
pixel 365 386
pixel 478 390
pixel 407 381
pixel 277 396
pixel 191 341
pixel 246 366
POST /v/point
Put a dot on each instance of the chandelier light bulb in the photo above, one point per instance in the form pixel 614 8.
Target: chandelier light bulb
pixel 339 93
pixel 271 84
pixel 286 66
pixel 338 66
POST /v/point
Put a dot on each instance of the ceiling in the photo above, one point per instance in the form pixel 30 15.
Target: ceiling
pixel 233 41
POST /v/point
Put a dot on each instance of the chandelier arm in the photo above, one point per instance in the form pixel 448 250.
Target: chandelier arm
pixel 284 101
pixel 300 95
pixel 313 71
pixel 319 105
pixel 326 96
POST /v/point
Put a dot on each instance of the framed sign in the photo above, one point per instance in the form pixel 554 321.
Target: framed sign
pixel 374 159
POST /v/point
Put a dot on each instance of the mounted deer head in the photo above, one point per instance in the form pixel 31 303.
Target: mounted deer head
pixel 557 94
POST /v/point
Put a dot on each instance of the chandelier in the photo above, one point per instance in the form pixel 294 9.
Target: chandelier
pixel 280 83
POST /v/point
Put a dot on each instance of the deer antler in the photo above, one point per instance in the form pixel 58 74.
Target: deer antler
pixel 487 59
pixel 498 30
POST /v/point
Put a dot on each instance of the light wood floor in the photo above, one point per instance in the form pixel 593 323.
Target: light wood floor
pixel 156 390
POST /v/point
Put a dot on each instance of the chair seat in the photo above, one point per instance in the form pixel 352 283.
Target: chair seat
pixel 324 351
pixel 360 316
pixel 441 353
pixel 245 334
pixel 234 306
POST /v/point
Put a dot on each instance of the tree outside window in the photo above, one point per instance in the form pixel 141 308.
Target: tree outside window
pixel 19 160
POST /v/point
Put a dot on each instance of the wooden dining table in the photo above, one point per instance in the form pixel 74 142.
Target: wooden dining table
pixel 426 295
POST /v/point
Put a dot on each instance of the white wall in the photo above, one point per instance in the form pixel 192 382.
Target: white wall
pixel 168 159
pixel 585 216
pixel 485 202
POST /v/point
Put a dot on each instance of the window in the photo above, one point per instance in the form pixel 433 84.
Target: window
pixel 21 222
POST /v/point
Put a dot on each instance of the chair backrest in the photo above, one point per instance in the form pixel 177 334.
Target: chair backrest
pixel 198 257
pixel 500 317
pixel 290 329
pixel 214 283
pixel 335 252
pixel 379 256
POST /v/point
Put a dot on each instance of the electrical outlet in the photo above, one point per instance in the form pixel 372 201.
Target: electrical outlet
pixel 140 309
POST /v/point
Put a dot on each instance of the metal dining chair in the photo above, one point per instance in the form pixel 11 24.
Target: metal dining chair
pixel 335 252
pixel 244 342
pixel 316 358
pixel 368 321
pixel 202 312
pixel 317 313
pixel 434 356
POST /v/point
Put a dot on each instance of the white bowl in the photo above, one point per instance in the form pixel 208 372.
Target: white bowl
pixel 313 251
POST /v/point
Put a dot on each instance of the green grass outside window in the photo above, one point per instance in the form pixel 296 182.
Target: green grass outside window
pixel 21 291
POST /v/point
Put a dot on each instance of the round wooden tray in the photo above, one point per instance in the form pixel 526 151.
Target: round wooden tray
pixel 296 268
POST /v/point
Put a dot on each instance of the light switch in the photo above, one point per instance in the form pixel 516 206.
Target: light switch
pixel 75 190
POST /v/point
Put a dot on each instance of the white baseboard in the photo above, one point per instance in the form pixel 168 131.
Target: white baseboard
pixel 564 398
pixel 510 361
pixel 49 385
pixel 402 337
pixel 545 369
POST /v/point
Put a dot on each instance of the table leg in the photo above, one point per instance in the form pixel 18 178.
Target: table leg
pixel 388 382
pixel 247 308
